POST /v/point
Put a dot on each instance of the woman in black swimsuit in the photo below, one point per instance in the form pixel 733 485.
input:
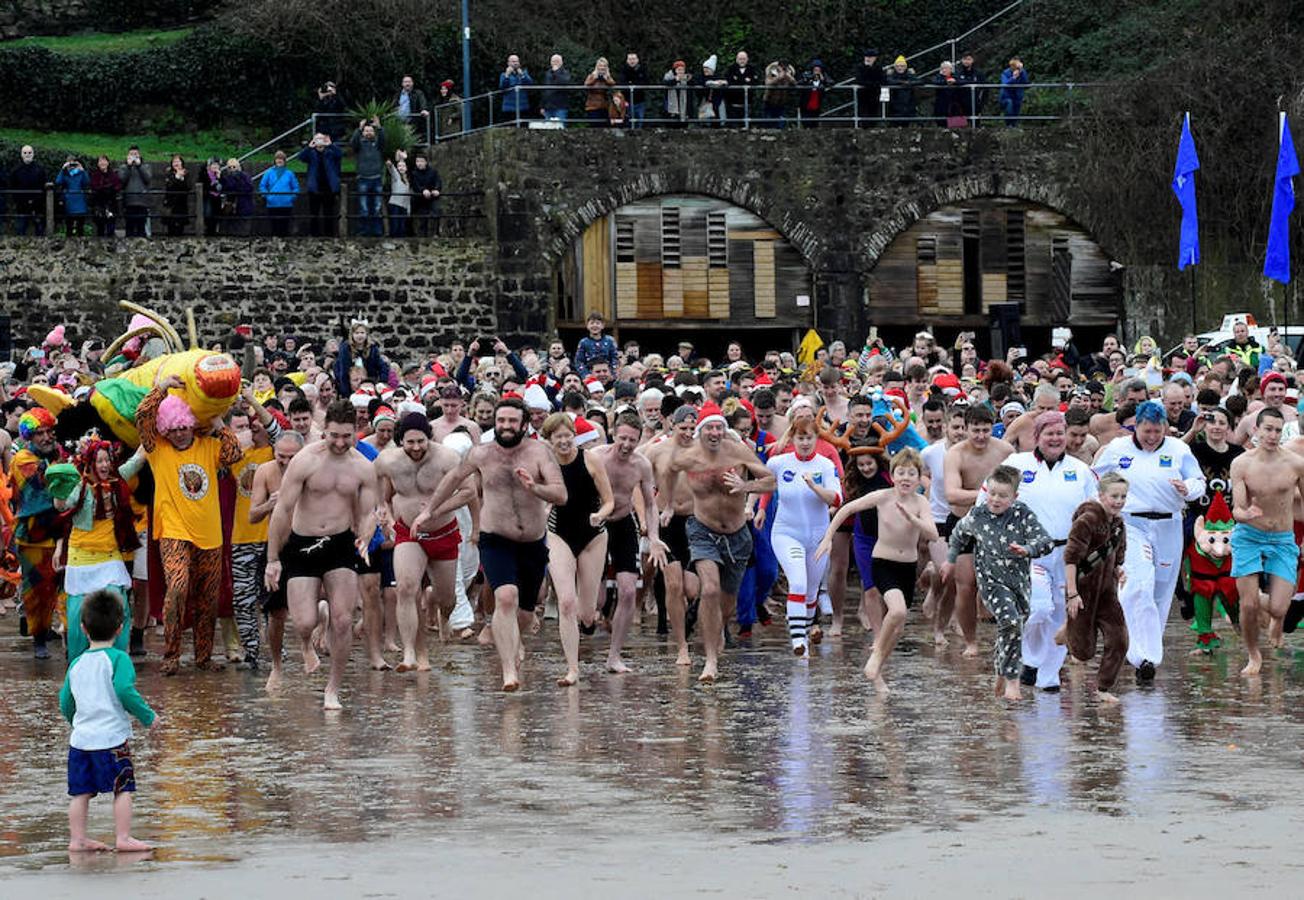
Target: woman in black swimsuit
pixel 577 540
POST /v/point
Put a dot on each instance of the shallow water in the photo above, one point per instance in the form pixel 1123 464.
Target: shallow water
pixel 783 761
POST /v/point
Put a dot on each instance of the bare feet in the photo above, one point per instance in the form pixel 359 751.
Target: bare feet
pixel 999 687
pixel 405 667
pixel 86 844
pixel 683 659
pixel 570 679
pixel 881 686
pixel 311 661
pixel 391 647
pixel 129 844
pixel 939 639
pixel 486 637
pixel 380 665
pixel 617 666
pixel 1062 635
pixel 799 649
pixel 970 651
pixel 510 685
pixel 273 680
pixel 1254 666
pixel 332 701
pixel 1106 697
pixel 1012 692
pixel 873 667
pixel 423 665
pixel 708 675
pixel 465 634
pixel 835 629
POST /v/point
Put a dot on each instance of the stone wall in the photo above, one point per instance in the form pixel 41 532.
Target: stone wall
pixel 21 18
pixel 415 293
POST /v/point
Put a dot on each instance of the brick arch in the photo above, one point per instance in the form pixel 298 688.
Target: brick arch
pixel 1029 185
pixel 567 224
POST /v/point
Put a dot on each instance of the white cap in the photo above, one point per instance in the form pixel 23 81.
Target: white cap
pixel 537 398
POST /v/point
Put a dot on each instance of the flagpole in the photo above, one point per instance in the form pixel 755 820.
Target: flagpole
pixel 1195 326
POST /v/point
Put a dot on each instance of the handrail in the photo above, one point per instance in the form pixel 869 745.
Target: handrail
pixel 276 140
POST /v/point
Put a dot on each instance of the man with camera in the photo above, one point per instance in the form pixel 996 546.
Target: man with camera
pixel 323 182
pixel 515 101
pixel 135 179
pixel 330 112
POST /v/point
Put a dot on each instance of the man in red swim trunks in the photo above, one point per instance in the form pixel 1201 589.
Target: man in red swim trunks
pixel 408 475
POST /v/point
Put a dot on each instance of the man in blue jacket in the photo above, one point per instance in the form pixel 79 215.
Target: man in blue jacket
pixel 515 101
pixel 323 184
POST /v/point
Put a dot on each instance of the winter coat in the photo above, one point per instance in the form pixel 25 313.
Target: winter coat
pixel 76 189
pixel 971 98
pixel 515 101
pixel 28 177
pixel 105 190
pixel 678 103
pixel 740 77
pixel 135 184
pixel 426 179
pixel 556 99
pixel 323 169
pixel 176 195
pixel 780 82
pixel 417 103
pixel 369 156
pixel 599 88
pixel 239 188
pixel 332 119
pixel 870 82
pixel 278 187
pixel 901 101
pixel 947 99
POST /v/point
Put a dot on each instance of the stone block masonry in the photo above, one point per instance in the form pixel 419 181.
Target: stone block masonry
pixel 417 294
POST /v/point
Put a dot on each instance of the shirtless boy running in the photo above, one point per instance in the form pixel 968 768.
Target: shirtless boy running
pixel 681 584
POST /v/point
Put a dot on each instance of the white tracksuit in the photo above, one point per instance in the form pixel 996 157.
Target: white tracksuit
pixel 1052 493
pixel 1154 545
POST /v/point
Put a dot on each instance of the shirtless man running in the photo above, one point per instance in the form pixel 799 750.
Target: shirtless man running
pixel 324 519
pixel 451 407
pixel 408 474
pixel 520 479
pixel 675 510
pixel 965 468
pixel 262 501
pixel 1265 482
pixel 628 471
pixel 718 539
pixel 1019 435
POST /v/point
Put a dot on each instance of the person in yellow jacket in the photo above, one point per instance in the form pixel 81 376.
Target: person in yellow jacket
pixel 187 517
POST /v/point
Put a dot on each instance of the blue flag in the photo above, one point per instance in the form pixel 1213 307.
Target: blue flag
pixel 1188 253
pixel 1276 265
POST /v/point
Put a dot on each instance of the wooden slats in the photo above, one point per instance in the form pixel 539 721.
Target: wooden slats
pixel 950 286
pixel 696 288
pixel 596 264
pixel 648 303
pixel 763 276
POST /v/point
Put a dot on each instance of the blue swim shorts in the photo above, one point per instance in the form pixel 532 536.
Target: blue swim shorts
pixel 1272 552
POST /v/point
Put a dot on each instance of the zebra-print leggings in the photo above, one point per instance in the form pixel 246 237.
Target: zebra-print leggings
pixel 247 594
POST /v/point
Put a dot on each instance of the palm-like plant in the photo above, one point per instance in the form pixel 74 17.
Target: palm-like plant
pixel 399 135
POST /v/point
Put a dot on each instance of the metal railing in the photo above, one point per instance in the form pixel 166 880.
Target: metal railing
pixel 913 101
pixel 191 213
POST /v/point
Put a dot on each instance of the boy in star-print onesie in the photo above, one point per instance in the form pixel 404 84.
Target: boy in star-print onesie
pixel 1006 535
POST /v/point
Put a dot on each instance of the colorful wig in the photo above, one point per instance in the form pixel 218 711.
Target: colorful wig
pixel 174 413
pixel 33 420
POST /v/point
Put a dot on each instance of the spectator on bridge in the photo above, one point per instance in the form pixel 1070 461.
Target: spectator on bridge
pixel 176 197
pixel 426 189
pixel 815 82
pixel 106 188
pixel 135 180
pixel 238 191
pixel 679 96
pixel 75 186
pixel 1012 79
pixel 516 102
pixel 449 110
pixel 412 106
pixel 400 195
pixel 709 91
pixel 368 143
pixel 27 183
pixel 331 111
pixel 947 99
pixel 967 74
pixel 598 96
pixel 780 95
pixel 278 188
pixel 212 186
pixel 901 83
pixel 322 182
pixel 741 76
pixel 869 85
pixel 556 97
pixel 633 76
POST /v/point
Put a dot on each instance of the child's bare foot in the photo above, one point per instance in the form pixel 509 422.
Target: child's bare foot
pixel 873 666
pixel 311 661
pixel 880 685
pixel 331 701
pixel 683 659
pixel 510 684
pixel 970 651
pixel 129 844
pixel 1062 635
pixel 86 844
pixel 1013 692
pixel 570 679
pixel 1106 697
pixel 617 666
pixel 486 637
pixel 380 665
pixel 423 665
pixel 392 647
pixel 465 634
pixel 939 639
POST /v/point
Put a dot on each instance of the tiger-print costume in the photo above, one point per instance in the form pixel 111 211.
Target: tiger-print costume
pixel 193 577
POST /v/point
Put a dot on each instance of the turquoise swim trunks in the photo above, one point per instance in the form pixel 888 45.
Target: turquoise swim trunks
pixel 1255 550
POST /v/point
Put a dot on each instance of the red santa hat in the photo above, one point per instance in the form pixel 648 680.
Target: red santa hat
pixel 948 384
pixel 585 431
pixel 594 385
pixel 537 398
pixel 764 380
pixel 709 412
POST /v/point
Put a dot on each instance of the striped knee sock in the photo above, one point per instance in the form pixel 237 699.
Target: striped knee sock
pixel 797 618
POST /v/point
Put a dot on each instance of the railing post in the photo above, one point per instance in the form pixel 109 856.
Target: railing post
pixel 1070 87
pixel 747 106
pixel 48 194
pixel 343 211
pixel 973 106
pixel 952 60
pixel 199 210
pixel 517 97
pixel 855 105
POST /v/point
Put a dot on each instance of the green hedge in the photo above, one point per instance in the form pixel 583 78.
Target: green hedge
pixel 207 77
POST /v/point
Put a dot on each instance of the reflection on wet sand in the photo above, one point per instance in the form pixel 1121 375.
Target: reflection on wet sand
pixel 780 750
